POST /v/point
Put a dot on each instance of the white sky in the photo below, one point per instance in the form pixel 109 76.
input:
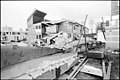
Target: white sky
pixel 15 13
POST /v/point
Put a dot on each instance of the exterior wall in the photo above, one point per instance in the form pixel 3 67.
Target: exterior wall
pixel 112 38
pixel 115 12
pixel 114 8
pixel 51 29
pixel 30 22
pixel 7 28
pixel 66 27
pixel 112 31
pixel 33 33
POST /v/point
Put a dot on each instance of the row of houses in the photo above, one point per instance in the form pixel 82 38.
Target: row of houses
pixel 8 34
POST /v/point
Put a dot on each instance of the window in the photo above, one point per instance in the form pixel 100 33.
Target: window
pixel 39 27
pixel 13 33
pixel 36 27
pixel 39 36
pixel 18 33
pixel 36 36
pixel 7 33
pixel 4 33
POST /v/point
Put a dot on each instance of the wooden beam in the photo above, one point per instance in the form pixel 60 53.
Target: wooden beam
pixel 104 70
pixel 109 70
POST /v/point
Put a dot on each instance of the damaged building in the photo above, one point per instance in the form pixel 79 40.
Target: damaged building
pixel 49 31
pixel 33 31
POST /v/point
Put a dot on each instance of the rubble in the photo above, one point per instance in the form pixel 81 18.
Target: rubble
pixel 22 44
pixel 59 40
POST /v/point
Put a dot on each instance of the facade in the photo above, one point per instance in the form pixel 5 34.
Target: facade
pixel 112 32
pixel 34 29
pixel 72 28
pixel 38 27
pixel 8 34
pixel 115 12
pixel 34 32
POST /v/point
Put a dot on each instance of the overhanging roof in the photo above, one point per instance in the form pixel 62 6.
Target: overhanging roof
pixel 38 14
pixel 53 22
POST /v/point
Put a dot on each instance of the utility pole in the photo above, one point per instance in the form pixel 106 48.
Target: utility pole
pixel 85 33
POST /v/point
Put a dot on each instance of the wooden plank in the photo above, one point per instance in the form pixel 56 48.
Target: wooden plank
pixel 109 70
pixel 104 70
pixel 92 70
pixel 70 76
pixel 79 69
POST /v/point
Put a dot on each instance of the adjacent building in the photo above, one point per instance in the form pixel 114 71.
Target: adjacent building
pixel 8 34
pixel 112 32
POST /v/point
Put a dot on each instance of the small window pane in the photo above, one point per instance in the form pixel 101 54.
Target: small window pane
pixel 18 33
pixel 13 33
pixel 36 27
pixel 39 27
pixel 6 32
pixel 39 36
pixel 36 36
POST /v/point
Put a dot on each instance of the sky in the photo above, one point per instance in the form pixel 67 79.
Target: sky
pixel 15 13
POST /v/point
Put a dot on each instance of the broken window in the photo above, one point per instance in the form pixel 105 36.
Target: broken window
pixel 39 36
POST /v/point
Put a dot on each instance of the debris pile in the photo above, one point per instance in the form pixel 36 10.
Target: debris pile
pixel 59 40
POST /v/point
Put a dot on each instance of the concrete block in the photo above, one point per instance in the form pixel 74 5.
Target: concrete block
pixel 48 75
pixel 63 68
pixel 95 54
